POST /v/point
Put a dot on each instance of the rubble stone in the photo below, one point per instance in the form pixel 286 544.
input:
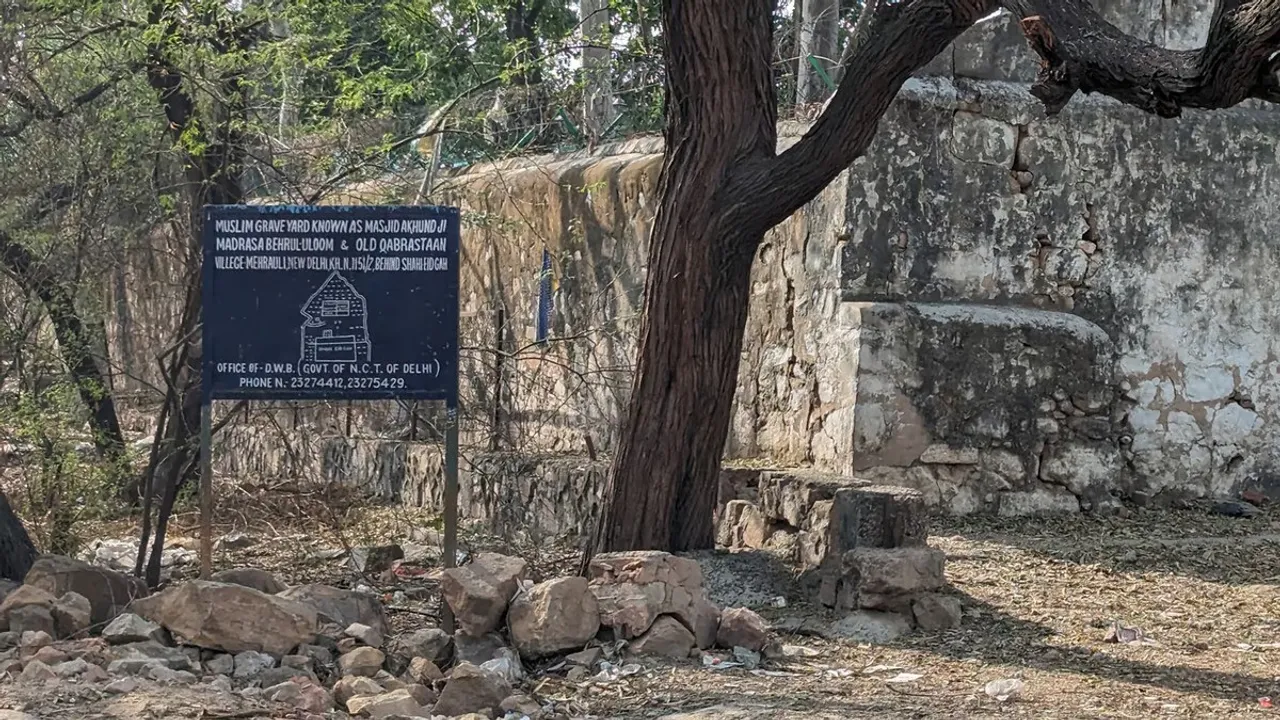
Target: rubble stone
pixel 136 657
pixel 341 607
pixel 740 627
pixel 554 616
pixel 32 618
pixel 934 612
pixel 364 634
pixel 478 592
pixel 352 686
pixel 23 596
pixel 364 661
pixel 471 689
pixel 260 580
pixel 108 591
pixel 221 664
pixel 433 644
pixel 251 664
pixel 231 618
pixel 897 571
pixel 667 637
pixel 129 628
pixel 478 650
pixel 396 702
pixel 37 672
pixel 634 588
pixel 374 559
pixel 424 671
pixel 72 615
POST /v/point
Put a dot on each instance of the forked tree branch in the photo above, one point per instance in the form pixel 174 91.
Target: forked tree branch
pixel 1080 51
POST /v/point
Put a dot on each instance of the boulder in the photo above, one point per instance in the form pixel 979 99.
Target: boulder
pixel 478 592
pixel 364 661
pixel 29 639
pixel 667 637
pixel 470 689
pixel 433 644
pixel 259 580
pixel 221 664
pixel 554 616
pixel 302 694
pixel 341 607
pixel 634 588
pixel 129 628
pixel 894 571
pixel 230 618
pixel 107 591
pixel 740 627
pixel 23 596
pixel 72 615
pixel 396 702
pixel 355 685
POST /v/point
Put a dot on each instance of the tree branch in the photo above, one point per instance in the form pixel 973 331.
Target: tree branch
pixel 894 40
pixel 1080 51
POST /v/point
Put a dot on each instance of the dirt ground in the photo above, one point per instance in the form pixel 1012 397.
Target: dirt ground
pixel 1039 597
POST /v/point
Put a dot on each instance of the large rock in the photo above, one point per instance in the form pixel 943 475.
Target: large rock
pixel 108 591
pixel 471 689
pixel 478 592
pixel 231 618
pixel 934 612
pixel 667 637
pixel 740 627
pixel 554 616
pixel 341 607
pixel 634 588
pixel 478 650
pixel 135 657
pixel 259 580
pixel 896 571
pixel 354 686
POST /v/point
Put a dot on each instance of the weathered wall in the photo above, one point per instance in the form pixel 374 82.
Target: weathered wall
pixel 1008 312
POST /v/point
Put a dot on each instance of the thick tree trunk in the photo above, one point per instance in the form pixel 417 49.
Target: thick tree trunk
pixel 720 114
pixel 17 552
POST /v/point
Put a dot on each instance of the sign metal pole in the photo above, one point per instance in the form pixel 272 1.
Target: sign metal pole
pixel 450 503
pixel 206 489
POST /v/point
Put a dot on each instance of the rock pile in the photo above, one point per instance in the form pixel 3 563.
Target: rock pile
pixel 315 648
pixel 862 548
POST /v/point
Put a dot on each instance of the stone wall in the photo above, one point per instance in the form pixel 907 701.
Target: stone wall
pixel 1007 312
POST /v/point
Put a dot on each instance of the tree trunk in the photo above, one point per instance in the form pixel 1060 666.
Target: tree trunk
pixel 720 115
pixel 17 552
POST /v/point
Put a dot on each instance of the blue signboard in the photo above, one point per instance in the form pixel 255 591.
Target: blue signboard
pixel 330 302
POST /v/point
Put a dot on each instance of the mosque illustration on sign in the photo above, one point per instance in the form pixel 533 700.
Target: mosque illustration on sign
pixel 337 323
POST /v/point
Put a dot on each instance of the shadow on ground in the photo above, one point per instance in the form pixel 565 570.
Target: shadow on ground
pixel 1190 542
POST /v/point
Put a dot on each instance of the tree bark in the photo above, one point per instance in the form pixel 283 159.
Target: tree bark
pixel 720 112
pixel 819 23
pixel 17 552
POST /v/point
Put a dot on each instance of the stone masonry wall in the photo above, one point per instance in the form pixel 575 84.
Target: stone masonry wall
pixel 1007 312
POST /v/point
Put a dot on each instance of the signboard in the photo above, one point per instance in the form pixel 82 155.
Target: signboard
pixel 352 303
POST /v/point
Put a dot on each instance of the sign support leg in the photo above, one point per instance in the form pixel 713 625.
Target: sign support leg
pixel 450 504
pixel 206 490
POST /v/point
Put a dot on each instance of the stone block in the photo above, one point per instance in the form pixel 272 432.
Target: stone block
pixel 742 526
pixel 787 495
pixel 894 571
